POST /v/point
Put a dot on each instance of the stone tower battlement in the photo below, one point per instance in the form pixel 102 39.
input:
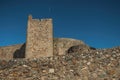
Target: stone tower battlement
pixel 39 38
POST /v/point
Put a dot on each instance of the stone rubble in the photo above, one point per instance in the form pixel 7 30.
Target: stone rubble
pixel 99 64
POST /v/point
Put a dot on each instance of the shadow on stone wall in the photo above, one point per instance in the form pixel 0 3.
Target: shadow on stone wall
pixel 78 48
pixel 20 53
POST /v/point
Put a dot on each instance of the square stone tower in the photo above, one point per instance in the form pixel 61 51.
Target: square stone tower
pixel 39 38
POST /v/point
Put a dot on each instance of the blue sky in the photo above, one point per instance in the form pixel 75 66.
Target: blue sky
pixel 96 22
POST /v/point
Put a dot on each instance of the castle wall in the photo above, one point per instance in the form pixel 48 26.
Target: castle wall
pixel 39 42
pixel 39 38
pixel 8 52
pixel 61 45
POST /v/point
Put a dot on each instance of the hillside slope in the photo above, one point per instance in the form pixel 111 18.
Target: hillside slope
pixel 99 64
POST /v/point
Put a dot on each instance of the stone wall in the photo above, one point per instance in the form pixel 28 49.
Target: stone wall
pixel 39 38
pixel 40 42
pixel 61 45
pixel 10 52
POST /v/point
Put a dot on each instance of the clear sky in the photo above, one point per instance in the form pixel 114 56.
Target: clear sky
pixel 96 22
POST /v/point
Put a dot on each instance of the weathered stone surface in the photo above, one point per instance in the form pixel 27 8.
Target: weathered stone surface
pixel 61 45
pixel 39 38
pixel 51 70
pixel 99 64
pixel 10 52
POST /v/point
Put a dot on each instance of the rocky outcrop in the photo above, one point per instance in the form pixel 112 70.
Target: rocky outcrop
pixel 99 64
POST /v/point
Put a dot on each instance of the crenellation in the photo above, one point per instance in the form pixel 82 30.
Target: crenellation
pixel 39 20
pixel 46 19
